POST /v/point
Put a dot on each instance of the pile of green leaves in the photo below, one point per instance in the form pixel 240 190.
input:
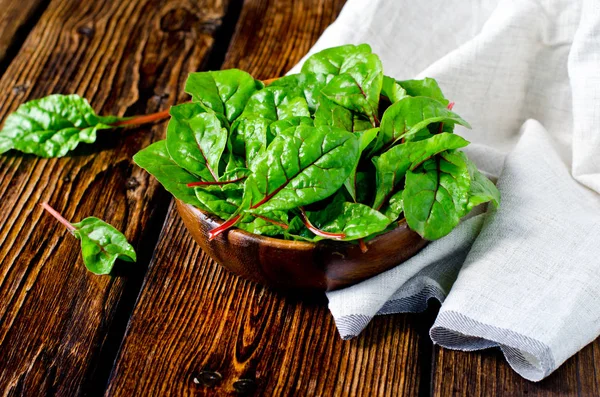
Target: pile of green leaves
pixel 337 151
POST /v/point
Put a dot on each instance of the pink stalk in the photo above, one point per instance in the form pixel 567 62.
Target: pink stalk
pixel 222 227
pixel 317 231
pixel 58 217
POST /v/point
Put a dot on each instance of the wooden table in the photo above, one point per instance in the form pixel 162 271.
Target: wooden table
pixel 178 324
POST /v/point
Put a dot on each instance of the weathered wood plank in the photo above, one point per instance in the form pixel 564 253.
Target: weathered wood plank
pixel 487 373
pixel 199 329
pixel 56 320
pixel 16 19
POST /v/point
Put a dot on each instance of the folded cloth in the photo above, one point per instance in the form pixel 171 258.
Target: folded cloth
pixel 526 75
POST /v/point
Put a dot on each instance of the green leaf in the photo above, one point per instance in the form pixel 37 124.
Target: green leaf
pixel 220 201
pixel 195 140
pixel 330 61
pixel 436 195
pixel 364 139
pixel 277 127
pixel 353 219
pixel 226 92
pixel 301 166
pixel 276 103
pixel 354 77
pixel 156 160
pixel 393 209
pixel 392 89
pixel 102 245
pixel 52 126
pixel 258 225
pixel 392 165
pixel 408 116
pixel 426 87
pixel 482 189
pixel 331 114
pixel 249 137
pixel 302 85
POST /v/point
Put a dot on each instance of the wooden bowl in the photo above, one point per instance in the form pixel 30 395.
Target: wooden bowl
pixel 296 265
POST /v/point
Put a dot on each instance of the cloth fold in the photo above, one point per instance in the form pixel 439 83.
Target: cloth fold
pixel 526 75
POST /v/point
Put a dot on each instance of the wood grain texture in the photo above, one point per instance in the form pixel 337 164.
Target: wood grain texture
pixel 198 329
pixel 16 18
pixel 126 57
pixel 487 373
pixel 196 321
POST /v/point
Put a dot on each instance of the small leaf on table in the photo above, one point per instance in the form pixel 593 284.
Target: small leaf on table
pixel 52 126
pixel 102 245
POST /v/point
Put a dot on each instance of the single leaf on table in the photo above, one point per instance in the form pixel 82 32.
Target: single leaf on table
pixel 392 165
pixel 101 243
pixel 482 189
pixel 52 126
pixel 426 87
pixel 276 103
pixel 156 160
pixel 354 78
pixel 301 166
pixel 196 140
pixel 393 208
pixel 392 89
pixel 436 195
pixel 226 92
pixel 364 139
pixel 410 115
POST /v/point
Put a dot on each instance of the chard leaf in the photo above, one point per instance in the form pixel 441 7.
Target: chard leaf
pixel 392 165
pixel 195 140
pixel 482 189
pixel 352 219
pixel 404 119
pixel 330 61
pixel 226 92
pixel 264 225
pixel 426 87
pixel 393 209
pixel 354 77
pixel 436 195
pixel 301 166
pixel 301 85
pixel 276 103
pixel 364 139
pixel 52 126
pixel 156 160
pixel 393 90
pixel 221 202
pixel 249 137
pixel 277 127
pixel 331 114
pixel 102 245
